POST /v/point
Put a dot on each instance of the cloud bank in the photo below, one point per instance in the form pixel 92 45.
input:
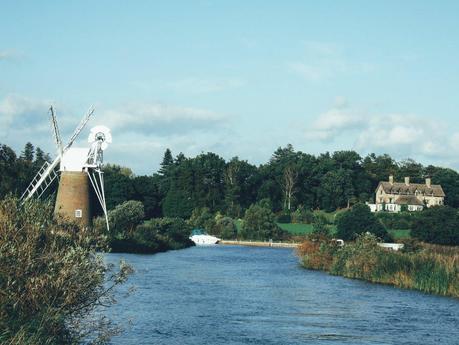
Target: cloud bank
pixel 401 135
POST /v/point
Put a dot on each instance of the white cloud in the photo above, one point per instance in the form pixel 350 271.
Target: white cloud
pixel 161 119
pixel 141 132
pixel 401 135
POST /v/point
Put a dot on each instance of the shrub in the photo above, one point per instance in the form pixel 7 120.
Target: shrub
pixel 123 219
pixel 438 225
pixel 401 220
pixel 202 218
pixel 302 215
pixel 359 219
pixel 51 279
pixel 226 228
pixel 260 224
pixel 162 234
pixel 284 218
pixel 319 226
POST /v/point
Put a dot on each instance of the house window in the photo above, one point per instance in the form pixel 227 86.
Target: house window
pixel 78 213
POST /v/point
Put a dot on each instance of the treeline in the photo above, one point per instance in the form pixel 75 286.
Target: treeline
pixel 290 180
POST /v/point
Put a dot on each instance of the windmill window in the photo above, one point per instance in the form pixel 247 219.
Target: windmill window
pixel 78 213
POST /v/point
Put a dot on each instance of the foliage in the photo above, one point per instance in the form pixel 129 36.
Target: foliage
pixel 259 224
pixel 429 269
pixel 359 219
pixel 163 234
pixel 202 218
pixel 225 227
pixel 51 279
pixel 124 218
pixel 319 226
pixel 438 225
pixel 302 215
pixel 290 180
pixel 284 218
pixel 397 220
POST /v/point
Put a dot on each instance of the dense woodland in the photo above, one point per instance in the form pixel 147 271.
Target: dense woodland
pixel 290 180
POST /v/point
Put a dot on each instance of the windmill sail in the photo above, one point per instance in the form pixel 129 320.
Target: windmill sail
pixel 47 174
pixel 56 134
pixel 42 180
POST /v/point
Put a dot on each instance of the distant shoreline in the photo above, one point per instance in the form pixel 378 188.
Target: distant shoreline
pixel 260 244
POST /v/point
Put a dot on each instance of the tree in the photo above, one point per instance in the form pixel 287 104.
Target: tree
pixel 202 218
pixel 438 225
pixel 166 163
pixel 358 220
pixel 336 189
pixel 28 153
pixel 118 185
pixel 8 170
pixel 259 224
pixel 289 183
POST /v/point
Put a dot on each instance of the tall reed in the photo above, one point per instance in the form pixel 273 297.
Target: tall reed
pixel 432 269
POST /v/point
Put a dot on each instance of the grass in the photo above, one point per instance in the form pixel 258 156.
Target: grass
pixel 304 229
pixel 399 234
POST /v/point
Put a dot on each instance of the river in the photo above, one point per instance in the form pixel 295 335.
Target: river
pixel 247 295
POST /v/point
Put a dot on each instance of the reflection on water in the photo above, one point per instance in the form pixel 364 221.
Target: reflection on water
pixel 247 295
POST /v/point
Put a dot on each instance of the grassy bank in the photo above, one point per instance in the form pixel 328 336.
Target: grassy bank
pixel 428 268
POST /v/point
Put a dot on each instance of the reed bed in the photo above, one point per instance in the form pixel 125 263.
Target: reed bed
pixel 428 268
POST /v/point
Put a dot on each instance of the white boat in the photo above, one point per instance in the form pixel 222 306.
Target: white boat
pixel 200 238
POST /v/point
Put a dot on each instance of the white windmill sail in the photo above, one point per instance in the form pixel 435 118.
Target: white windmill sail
pixel 47 174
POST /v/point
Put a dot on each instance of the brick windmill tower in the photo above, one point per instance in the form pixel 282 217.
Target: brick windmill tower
pixel 80 170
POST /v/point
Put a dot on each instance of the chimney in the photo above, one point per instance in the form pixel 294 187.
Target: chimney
pixel 428 182
pixel 391 179
pixel 407 181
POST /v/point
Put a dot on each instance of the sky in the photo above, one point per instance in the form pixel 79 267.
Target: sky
pixel 238 78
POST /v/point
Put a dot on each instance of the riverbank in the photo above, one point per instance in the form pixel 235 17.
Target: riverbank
pixel 428 268
pixel 260 244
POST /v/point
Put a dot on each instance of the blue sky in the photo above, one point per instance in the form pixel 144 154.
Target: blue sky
pixel 235 77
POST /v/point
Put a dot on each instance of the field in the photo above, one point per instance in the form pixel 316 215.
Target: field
pixel 304 229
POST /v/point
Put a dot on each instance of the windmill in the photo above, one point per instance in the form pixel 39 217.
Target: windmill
pixel 79 170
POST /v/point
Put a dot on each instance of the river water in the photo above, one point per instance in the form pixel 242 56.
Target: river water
pixel 246 295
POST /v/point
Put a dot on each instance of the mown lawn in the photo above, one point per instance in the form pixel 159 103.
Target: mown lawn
pixel 399 233
pixel 303 229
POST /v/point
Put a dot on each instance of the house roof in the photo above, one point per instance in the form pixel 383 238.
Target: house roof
pixel 408 200
pixel 403 189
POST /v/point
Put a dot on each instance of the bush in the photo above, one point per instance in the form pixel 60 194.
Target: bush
pixel 202 218
pixel 51 279
pixel 161 234
pixel 260 224
pixel 302 215
pixel 439 225
pixel 123 219
pixel 319 226
pixel 401 220
pixel 359 219
pixel 284 218
pixel 226 228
